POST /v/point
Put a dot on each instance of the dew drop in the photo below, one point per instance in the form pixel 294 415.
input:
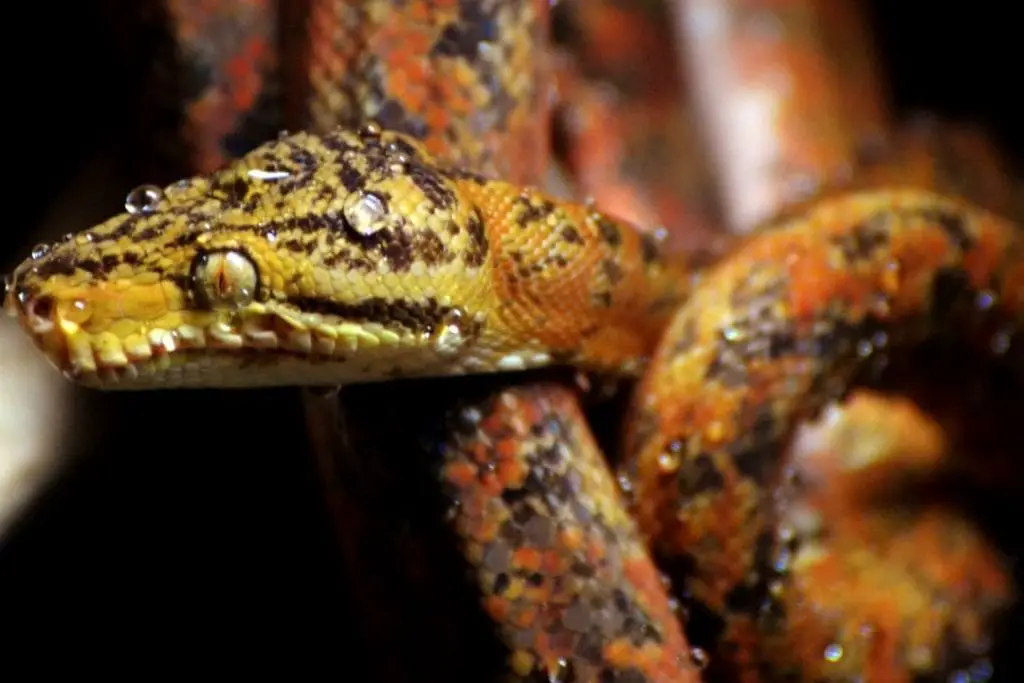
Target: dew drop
pixel 177 188
pixel 267 174
pixel 270 236
pixel 833 653
pixel 1001 342
pixel 864 348
pixel 583 383
pixel 732 333
pixel 700 658
pixel 80 304
pixel 282 134
pixel 985 300
pixel 668 462
pixel 143 199
pixel 450 336
pixel 40 250
pixel 365 213
pixel 371 130
pixel 563 672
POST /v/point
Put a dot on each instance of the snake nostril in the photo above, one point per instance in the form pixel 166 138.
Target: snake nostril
pixel 40 311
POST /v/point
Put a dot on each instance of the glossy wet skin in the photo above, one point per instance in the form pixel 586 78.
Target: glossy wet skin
pixel 338 259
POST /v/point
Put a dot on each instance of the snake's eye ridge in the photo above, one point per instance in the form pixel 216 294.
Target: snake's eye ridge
pixel 224 279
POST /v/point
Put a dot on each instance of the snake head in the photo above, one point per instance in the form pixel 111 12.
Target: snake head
pixel 310 261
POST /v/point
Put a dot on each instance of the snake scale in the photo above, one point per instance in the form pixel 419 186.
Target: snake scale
pixel 413 242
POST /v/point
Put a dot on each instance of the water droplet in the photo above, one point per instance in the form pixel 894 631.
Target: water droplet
pixel 84 238
pixel 40 250
pixel 981 671
pixel 450 336
pixel 270 236
pixel 700 658
pixel 143 199
pixel 582 381
pixel 985 300
pixel 833 653
pixel 177 187
pixel 732 333
pixel 80 304
pixel 371 130
pixel 267 174
pixel 864 348
pixel 365 213
pixel 68 236
pixel 1001 341
pixel 783 560
pixel 563 672
pixel 668 462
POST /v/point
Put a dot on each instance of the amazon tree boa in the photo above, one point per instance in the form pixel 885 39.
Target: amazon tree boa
pixel 412 242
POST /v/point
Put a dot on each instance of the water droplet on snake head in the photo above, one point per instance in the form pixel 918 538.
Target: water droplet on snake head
pixel 452 334
pixel 143 199
pixel 267 174
pixel 370 130
pixel 39 251
pixel 365 213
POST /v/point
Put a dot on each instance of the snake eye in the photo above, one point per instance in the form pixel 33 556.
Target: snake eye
pixel 224 279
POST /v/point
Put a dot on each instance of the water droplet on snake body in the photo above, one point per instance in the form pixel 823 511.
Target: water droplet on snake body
pixel 1001 342
pixel 371 130
pixel 365 213
pixel 40 250
pixel 700 658
pixel 833 653
pixel 452 334
pixel 143 199
pixel 985 300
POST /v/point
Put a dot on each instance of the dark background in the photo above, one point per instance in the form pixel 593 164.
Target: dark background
pixel 211 536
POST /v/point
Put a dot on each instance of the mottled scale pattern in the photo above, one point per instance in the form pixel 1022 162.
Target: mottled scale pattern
pixel 880 582
pixel 463 76
pixel 560 565
pixel 790 320
pixel 348 257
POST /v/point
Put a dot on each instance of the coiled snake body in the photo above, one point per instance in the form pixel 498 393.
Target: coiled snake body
pixel 363 254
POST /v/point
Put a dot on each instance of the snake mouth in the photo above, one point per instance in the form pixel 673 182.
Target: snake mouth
pixel 100 340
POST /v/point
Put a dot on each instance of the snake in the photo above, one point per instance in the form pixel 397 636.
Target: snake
pixel 380 248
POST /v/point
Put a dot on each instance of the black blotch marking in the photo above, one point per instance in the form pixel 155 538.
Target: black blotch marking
pixel 430 248
pixel 476 252
pixel 863 241
pixel 146 235
pixel 431 184
pixel 91 266
pixel 650 248
pixel 612 271
pixel 955 227
pixel 699 476
pixel 531 212
pixel 417 317
pixel 756 454
pixel 607 229
pixel 571 235
pixel 393 116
